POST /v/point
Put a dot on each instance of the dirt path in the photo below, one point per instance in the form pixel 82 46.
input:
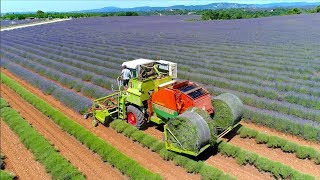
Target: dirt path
pixel 19 159
pixel 144 156
pixel 278 155
pixel 79 155
pixel 32 24
pixel 283 135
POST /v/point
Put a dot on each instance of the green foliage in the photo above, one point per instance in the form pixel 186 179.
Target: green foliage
pixel 39 12
pixel 294 11
pixel 290 147
pixel 301 152
pixel 244 13
pixel 180 160
pixel 157 146
pixel 243 157
pixel 262 138
pixel 227 150
pixel 317 158
pixel 194 166
pixel 106 151
pixel 247 132
pixel 3 103
pixel 39 146
pixel 4 175
pixel 276 142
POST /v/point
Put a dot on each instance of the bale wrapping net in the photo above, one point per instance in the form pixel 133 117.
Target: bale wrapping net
pixel 228 110
pixel 191 130
pixel 210 122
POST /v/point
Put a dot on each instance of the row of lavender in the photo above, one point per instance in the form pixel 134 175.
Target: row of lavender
pixel 273 105
pixel 295 110
pixel 313 91
pixel 80 103
pixel 292 109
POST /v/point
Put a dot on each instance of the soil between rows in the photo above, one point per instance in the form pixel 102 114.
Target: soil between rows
pixel 19 159
pixel 289 137
pixel 226 164
pixel 69 147
pixel 305 166
pixel 144 156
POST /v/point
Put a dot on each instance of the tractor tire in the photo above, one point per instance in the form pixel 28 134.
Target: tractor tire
pixel 135 117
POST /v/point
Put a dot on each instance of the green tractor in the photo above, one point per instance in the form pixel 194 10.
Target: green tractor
pixel 191 123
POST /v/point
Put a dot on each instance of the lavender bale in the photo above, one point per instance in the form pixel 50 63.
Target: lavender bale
pixel 228 110
pixel 213 128
pixel 190 131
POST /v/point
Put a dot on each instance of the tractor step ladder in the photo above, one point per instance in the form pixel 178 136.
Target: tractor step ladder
pixel 121 107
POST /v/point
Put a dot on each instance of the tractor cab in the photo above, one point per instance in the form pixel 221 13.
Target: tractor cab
pixel 146 68
pixel 147 76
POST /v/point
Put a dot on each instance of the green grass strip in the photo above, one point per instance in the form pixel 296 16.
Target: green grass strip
pixel 302 152
pixel 206 171
pixel 4 175
pixel 45 153
pixel 277 169
pixel 108 153
pixel 3 103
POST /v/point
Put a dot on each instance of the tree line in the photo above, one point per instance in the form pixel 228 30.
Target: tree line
pixel 247 13
pixel 205 14
pixel 40 15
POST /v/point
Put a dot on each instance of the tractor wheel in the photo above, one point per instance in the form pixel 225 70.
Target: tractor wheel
pixel 135 117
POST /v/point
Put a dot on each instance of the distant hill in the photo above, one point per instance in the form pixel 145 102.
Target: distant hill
pixel 208 6
pixel 198 7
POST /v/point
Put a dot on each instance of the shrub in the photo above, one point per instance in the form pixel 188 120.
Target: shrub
pixel 194 166
pixel 157 146
pixel 276 142
pixel 167 155
pixel 245 132
pixel 180 160
pixel 147 141
pixel 302 152
pixel 212 174
pixel 290 147
pixel 129 131
pixel 262 138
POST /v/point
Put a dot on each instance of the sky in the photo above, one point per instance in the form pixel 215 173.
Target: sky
pixel 73 5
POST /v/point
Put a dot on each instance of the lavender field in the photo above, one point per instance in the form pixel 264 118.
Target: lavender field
pixel 272 64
